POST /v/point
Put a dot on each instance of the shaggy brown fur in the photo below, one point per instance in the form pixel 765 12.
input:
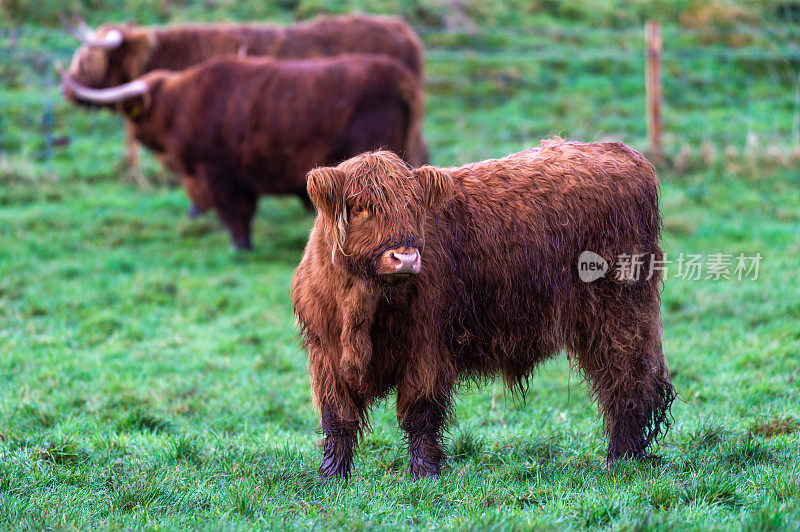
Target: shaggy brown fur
pixel 498 290
pixel 244 127
pixel 145 49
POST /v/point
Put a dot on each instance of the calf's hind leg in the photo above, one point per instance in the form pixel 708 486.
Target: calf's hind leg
pixel 622 358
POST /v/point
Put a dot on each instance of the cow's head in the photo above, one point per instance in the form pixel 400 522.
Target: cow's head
pixel 373 208
pixel 111 55
pixel 134 99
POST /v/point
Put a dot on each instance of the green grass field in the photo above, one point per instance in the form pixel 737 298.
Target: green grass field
pixel 151 378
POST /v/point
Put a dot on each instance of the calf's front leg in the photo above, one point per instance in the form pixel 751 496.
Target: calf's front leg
pixel 358 312
pixel 342 413
pixel 423 420
pixel 337 450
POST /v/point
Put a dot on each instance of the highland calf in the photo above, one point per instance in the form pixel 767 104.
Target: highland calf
pixel 416 280
pixel 245 127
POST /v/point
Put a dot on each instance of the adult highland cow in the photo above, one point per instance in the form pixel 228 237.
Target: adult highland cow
pixel 245 127
pixel 417 279
pixel 115 54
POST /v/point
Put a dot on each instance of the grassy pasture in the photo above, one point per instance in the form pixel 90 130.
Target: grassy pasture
pixel 151 378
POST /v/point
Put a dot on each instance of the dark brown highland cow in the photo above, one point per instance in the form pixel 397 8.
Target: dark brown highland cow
pixel 245 127
pixel 115 54
pixel 419 279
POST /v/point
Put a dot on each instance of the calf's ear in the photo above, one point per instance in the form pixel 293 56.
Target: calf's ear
pixel 325 186
pixel 325 190
pixel 437 185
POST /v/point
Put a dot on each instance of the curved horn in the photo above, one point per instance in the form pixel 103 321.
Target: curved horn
pixel 112 95
pixel 112 39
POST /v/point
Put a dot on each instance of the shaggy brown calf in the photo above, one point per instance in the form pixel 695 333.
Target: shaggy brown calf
pixel 115 54
pixel 254 126
pixel 419 279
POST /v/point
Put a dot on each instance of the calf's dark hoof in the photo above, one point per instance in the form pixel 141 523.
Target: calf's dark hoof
pixel 421 468
pixel 334 469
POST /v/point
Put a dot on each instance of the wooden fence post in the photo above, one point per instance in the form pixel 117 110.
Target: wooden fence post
pixel 655 125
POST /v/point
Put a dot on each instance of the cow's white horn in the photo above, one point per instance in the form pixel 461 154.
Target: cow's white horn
pixel 111 95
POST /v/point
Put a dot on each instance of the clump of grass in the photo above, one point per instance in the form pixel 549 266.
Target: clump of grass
pixel 706 436
pixel 184 449
pixel 125 400
pixel 142 421
pixel 467 445
pixel 388 455
pixel 600 512
pixel 660 494
pixel 768 519
pixel 711 489
pixel 774 426
pixel 244 499
pixel 531 497
pixel 61 452
pixel 140 492
pixel 745 452
pixel 756 157
pixel 541 451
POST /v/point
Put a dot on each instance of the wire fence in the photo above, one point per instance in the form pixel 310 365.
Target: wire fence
pixel 720 86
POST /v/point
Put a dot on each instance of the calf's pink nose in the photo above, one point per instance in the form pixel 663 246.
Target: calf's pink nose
pixel 407 262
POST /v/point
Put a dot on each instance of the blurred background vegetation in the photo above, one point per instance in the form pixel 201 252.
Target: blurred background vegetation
pixel 525 70
pixel 440 14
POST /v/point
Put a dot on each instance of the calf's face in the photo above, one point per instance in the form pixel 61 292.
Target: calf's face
pixel 373 208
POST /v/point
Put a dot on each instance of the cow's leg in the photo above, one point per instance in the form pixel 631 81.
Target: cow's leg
pixel 423 415
pixel 195 211
pixel 341 435
pixel 234 203
pixel 622 357
pixel 342 416
pixel 198 195
pixel 342 412
pixel 423 422
pixel 132 156
pixel 237 215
